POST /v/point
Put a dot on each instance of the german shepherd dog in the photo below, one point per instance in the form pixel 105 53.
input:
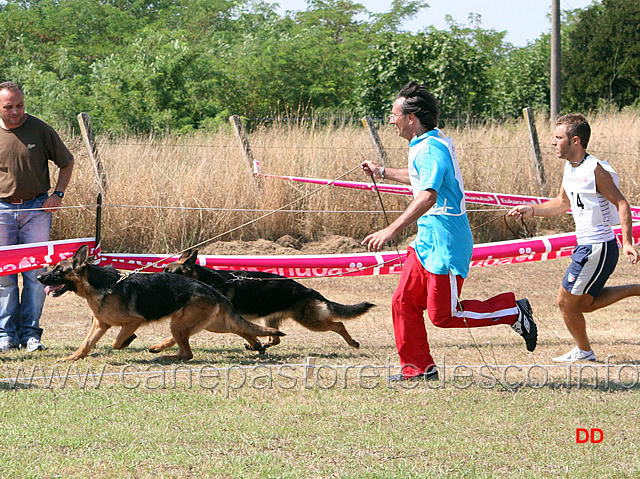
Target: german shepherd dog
pixel 140 298
pixel 273 298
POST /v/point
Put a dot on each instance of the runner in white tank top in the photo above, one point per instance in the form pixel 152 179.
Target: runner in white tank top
pixel 590 187
pixel 593 214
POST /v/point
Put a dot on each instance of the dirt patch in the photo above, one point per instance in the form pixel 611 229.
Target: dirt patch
pixel 287 245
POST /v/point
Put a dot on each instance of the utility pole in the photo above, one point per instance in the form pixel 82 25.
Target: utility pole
pixel 556 89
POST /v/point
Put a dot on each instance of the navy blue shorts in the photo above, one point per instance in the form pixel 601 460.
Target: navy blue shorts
pixel 590 268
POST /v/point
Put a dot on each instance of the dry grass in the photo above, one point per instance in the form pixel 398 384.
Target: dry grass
pixel 208 172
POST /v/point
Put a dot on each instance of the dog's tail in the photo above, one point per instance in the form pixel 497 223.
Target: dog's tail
pixel 348 311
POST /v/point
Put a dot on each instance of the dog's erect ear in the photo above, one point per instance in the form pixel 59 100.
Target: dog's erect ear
pixel 185 256
pixel 80 257
pixel 192 258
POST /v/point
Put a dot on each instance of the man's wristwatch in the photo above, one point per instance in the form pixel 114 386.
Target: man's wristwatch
pixel 59 194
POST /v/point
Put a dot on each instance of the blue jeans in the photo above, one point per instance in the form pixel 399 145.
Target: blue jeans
pixel 20 316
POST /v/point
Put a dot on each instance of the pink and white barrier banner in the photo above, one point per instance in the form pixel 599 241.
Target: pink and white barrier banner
pixel 15 259
pixel 474 197
pixel 25 257
pixel 365 264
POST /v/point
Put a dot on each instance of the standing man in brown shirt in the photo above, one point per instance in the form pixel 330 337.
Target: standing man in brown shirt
pixel 27 144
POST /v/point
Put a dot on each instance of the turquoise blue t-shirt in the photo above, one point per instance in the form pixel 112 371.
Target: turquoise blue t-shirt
pixel 444 242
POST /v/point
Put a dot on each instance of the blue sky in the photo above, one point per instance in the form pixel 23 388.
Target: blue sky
pixel 524 20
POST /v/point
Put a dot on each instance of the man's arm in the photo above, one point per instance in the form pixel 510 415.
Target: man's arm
pixel 607 187
pixel 554 207
pixel 64 177
pixel 419 206
pixel 400 175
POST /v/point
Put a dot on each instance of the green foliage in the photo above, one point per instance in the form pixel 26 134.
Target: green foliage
pixel 452 69
pixel 153 85
pixel 140 66
pixel 521 79
pixel 602 62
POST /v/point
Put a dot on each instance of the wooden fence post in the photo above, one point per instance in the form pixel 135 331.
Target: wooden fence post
pixel 367 122
pixel 92 148
pixel 243 142
pixel 538 166
pixel 98 170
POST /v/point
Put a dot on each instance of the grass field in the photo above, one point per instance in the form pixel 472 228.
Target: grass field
pixel 231 413
pixel 498 410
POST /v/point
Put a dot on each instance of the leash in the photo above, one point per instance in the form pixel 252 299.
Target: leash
pixel 386 218
pixel 202 243
pixel 236 278
pixel 527 233
pixel 477 346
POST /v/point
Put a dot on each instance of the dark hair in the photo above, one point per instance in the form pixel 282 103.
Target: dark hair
pixel 11 86
pixel 576 125
pixel 421 102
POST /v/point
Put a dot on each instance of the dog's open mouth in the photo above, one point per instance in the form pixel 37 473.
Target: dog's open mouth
pixel 55 291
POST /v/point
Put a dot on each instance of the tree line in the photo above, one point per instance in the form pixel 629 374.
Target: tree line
pixel 142 66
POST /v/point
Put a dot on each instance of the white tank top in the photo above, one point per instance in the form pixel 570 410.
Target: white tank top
pixel 593 214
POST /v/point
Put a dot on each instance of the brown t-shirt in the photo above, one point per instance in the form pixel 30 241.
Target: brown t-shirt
pixel 25 153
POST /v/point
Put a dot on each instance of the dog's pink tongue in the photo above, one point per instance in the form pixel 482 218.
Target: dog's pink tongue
pixel 51 289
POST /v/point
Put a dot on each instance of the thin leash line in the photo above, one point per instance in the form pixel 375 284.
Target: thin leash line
pixel 386 218
pixel 45 209
pixel 188 208
pixel 249 210
pixel 484 361
pixel 138 270
pixel 506 386
pixel 336 275
pixel 504 217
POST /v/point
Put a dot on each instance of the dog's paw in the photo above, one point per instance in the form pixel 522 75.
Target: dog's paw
pixel 73 357
pixel 257 346
pixel 129 340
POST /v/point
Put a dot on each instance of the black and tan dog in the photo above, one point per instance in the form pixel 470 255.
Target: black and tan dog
pixel 272 298
pixel 140 298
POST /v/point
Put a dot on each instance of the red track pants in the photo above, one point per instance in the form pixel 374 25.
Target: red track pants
pixel 418 290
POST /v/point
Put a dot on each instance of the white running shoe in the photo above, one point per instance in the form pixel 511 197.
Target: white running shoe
pixel 34 344
pixel 5 345
pixel 576 354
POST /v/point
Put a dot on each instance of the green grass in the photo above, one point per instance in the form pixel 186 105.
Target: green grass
pixel 154 422
pixel 184 420
pixel 317 433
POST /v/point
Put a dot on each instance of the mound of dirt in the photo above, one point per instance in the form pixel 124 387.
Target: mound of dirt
pixel 286 245
pixel 334 244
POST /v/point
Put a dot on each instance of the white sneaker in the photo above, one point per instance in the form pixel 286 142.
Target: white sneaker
pixel 5 345
pixel 576 354
pixel 34 344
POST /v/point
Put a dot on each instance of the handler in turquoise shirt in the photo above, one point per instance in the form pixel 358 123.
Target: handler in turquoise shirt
pixel 437 261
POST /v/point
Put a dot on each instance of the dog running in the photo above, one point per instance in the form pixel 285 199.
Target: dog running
pixel 273 298
pixel 140 298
